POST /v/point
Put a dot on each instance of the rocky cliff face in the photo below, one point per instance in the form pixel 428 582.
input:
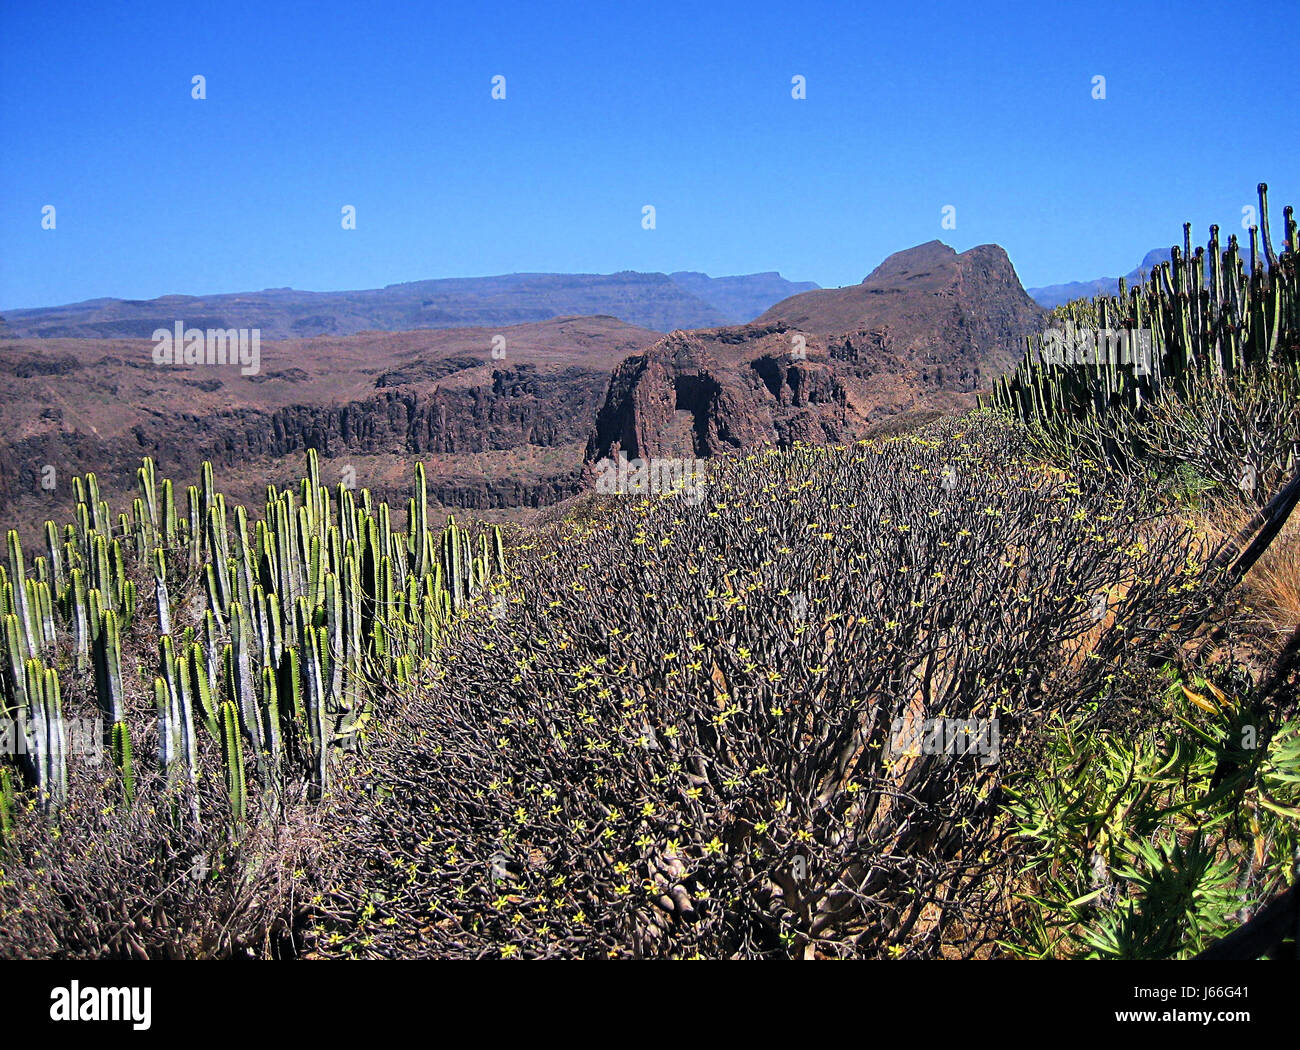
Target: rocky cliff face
pixel 960 316
pixel 702 393
pixel 502 417
pixel 494 433
pixel 923 332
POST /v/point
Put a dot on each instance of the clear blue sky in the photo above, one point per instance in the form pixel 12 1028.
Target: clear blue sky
pixel 911 106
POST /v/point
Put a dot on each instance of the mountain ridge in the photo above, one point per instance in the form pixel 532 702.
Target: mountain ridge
pixel 655 301
pixel 1052 295
pixel 923 332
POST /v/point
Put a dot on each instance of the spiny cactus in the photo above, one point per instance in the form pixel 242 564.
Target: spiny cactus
pixel 6 805
pixel 161 602
pixel 1235 317
pixel 47 743
pixel 308 615
pixel 124 759
pixel 108 665
pixel 232 757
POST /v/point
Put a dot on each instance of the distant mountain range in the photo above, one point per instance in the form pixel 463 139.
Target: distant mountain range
pixel 500 428
pixel 1056 294
pixel 656 301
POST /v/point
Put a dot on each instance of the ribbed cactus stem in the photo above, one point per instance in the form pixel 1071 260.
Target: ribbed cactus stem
pixel 314 700
pixel 18 579
pixel 169 523
pixel 271 717
pixel 420 540
pixel 201 685
pixel 123 758
pixel 159 564
pixel 108 667
pixel 498 551
pixel 244 691
pixel 54 552
pixel 6 805
pixel 232 757
pixel 168 731
pixel 1263 226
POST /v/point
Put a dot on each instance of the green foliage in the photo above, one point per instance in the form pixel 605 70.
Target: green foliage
pixel 6 804
pixel 232 757
pixel 1148 845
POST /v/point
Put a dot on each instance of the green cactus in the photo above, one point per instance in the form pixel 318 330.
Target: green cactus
pixel 169 521
pixel 1207 311
pixel 498 552
pixel 168 731
pixel 243 689
pixel 196 668
pixel 49 736
pixel 232 758
pixel 18 579
pixel 314 705
pixel 271 717
pixel 159 564
pixel 122 758
pixel 6 805
pixel 321 604
pixel 108 666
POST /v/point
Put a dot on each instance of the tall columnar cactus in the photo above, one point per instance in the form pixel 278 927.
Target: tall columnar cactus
pixel 108 667
pixel 194 534
pixel 232 758
pixel 420 540
pixel 43 606
pixel 49 736
pixel 124 759
pixel 196 668
pixel 270 712
pixel 243 690
pixel 170 524
pixel 244 573
pixel 18 579
pixel 7 797
pixel 148 479
pixel 161 602
pixel 168 731
pixel 498 551
pixel 54 554
pixel 314 701
pixel 315 610
pixel 218 567
pixel 289 685
pixel 1206 312
pixel 451 561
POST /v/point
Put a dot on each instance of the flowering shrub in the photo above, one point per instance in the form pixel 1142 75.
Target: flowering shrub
pixel 672 738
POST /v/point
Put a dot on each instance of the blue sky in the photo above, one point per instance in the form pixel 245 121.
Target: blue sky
pixel 687 107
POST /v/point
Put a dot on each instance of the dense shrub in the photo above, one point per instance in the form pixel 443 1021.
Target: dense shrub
pixel 1239 436
pixel 111 881
pixel 670 733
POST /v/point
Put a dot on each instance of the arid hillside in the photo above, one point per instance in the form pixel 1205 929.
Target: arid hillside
pixel 925 332
pixel 505 416
pixel 495 431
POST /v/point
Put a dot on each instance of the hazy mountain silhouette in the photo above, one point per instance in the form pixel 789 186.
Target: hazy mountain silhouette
pixel 648 300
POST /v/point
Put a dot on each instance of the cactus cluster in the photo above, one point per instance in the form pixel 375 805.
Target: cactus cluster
pixel 1206 312
pixel 306 616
